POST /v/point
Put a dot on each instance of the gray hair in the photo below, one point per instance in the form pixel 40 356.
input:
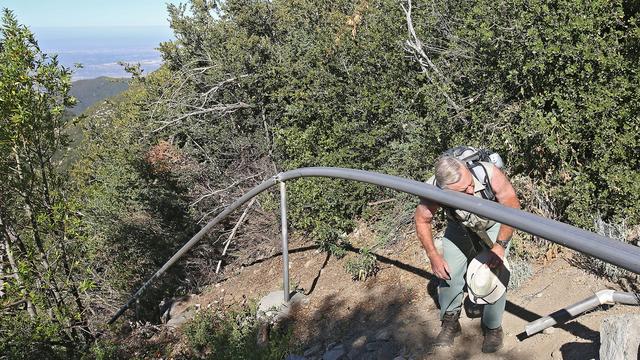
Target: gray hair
pixel 447 170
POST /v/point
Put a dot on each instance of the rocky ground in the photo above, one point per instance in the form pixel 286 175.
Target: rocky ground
pixel 395 315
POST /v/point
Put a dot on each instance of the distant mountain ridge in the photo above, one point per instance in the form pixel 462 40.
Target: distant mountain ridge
pixel 91 91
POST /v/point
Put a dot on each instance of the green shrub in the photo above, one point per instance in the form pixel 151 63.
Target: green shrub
pixel 25 338
pixel 390 217
pixel 619 231
pixel 104 350
pixel 521 271
pixel 213 334
pixel 363 266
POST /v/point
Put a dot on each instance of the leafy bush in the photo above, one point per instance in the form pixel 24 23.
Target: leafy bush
pixel 363 266
pixel 232 335
pixel 390 218
pixel 521 271
pixel 105 350
pixel 620 231
pixel 548 85
pixel 25 338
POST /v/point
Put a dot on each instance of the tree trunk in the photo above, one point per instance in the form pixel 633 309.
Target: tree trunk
pixel 44 259
pixel 6 244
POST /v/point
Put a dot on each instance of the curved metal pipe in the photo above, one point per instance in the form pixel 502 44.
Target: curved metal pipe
pixel 561 316
pixel 612 251
pixel 626 298
pixel 186 247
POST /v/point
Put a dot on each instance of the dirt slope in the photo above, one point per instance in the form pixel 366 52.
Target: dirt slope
pixel 397 302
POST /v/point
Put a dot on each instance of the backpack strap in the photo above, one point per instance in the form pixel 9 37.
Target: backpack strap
pixel 479 171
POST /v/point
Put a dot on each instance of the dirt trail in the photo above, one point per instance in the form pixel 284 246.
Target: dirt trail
pixel 397 302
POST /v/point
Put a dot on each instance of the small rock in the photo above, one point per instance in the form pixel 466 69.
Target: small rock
pixel 371 346
pixel 549 330
pixel 359 342
pixel 336 353
pixel 312 350
pixel 295 357
pixel 355 353
pixel 180 319
pixel 556 354
pixel 383 335
pixel 620 337
pixel 273 308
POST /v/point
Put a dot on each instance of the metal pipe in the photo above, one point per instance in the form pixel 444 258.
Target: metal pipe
pixel 561 316
pixel 186 247
pixel 612 251
pixel 285 240
pixel 615 252
pixel 626 298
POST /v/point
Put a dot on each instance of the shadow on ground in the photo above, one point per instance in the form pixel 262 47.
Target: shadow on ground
pixel 381 321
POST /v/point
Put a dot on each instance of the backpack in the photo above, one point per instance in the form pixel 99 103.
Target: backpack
pixel 472 158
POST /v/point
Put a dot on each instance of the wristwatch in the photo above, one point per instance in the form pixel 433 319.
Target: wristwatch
pixel 503 243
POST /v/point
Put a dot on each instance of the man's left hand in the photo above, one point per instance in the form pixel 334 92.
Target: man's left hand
pixel 497 253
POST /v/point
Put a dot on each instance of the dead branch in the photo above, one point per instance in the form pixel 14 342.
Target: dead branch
pixel 381 202
pixel 212 193
pixel 416 47
pixel 233 232
pixel 14 304
pixel 222 108
pixel 209 213
pixel 219 85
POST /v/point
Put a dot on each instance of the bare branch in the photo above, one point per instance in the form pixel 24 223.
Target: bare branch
pixel 416 47
pixel 374 203
pixel 212 193
pixel 233 232
pixel 223 108
pixel 209 213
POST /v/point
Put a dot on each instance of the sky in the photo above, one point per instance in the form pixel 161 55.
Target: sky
pixel 99 34
pixel 90 13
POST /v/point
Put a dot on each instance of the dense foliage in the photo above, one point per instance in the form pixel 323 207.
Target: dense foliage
pixel 552 87
pixel 44 269
pixel 254 87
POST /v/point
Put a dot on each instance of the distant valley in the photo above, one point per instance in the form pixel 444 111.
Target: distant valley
pixel 91 91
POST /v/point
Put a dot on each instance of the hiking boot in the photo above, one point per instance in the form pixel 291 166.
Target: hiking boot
pixel 492 340
pixel 450 328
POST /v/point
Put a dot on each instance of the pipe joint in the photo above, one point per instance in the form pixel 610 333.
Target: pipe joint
pixel 605 297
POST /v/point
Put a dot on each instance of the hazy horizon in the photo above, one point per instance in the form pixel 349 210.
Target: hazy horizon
pixel 100 48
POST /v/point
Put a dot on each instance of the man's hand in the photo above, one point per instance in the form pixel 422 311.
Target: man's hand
pixel 497 252
pixel 439 267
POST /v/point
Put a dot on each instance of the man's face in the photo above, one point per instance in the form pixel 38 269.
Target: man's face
pixel 465 184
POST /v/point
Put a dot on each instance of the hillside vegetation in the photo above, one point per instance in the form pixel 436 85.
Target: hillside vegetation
pixel 89 91
pixel 250 88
